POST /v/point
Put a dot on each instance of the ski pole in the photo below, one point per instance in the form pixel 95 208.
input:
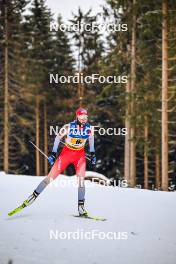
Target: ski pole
pixel 44 153
pixel 39 149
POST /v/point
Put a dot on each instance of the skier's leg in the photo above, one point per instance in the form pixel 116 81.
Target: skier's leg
pixel 42 185
pixel 60 164
pixel 80 167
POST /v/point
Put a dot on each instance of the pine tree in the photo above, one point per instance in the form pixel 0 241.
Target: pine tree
pixel 12 83
pixel 39 53
pixel 89 50
pixel 62 95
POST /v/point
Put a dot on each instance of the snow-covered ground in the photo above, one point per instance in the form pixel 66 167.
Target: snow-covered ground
pixel 143 223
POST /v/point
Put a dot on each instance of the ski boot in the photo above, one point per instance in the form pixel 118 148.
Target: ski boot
pixel 81 209
pixel 31 199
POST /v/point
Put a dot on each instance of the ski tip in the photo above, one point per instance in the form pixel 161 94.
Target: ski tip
pixel 10 213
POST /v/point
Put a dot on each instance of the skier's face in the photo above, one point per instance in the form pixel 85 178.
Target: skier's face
pixel 83 119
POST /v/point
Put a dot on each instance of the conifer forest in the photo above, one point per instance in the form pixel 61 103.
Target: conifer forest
pixel 131 45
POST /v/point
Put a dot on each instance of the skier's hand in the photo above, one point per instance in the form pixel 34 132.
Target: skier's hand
pixel 52 158
pixel 93 158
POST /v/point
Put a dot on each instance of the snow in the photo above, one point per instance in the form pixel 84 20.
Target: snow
pixel 145 218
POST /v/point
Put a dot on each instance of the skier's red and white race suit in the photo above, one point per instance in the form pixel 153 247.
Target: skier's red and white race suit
pixel 73 151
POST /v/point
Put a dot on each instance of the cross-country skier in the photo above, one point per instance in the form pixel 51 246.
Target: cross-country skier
pixel 76 134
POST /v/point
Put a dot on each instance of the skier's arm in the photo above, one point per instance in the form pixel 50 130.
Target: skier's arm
pixel 92 147
pixel 91 144
pixel 63 132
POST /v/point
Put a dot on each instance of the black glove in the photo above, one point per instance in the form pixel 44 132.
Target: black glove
pixel 52 158
pixel 93 158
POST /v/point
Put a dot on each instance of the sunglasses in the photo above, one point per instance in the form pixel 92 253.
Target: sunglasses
pixel 82 117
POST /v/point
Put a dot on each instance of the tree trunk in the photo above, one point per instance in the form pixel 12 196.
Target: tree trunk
pixel 146 153
pixel 45 139
pixel 6 99
pixel 37 136
pixel 80 91
pixel 127 137
pixel 133 79
pixel 157 170
pixel 165 96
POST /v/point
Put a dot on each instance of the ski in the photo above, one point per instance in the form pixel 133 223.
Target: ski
pixel 19 208
pixel 87 216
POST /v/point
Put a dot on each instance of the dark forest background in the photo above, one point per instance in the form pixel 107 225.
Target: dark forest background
pixel 145 105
